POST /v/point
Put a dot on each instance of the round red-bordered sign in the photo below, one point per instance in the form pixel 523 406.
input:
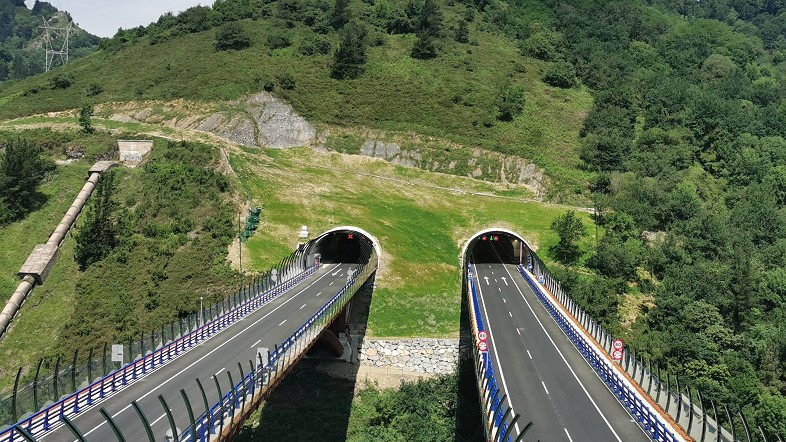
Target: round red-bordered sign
pixel 616 355
pixel 482 335
pixel 483 346
pixel 618 344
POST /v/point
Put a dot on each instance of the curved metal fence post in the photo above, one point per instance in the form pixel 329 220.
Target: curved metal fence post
pixel 145 422
pixel 703 416
pixel 113 425
pixel 35 385
pixel 763 436
pixel 524 431
pixel 190 414
pixel 660 385
pixel 74 430
pixel 14 412
pixel 690 409
pixel 233 394
pixel 679 397
pixel 73 370
pixel 717 422
pixel 499 427
pixel 169 416
pixel 510 427
pixel 90 366
pixel 668 391
pixel 731 422
pixel 55 392
pixel 106 369
pixel 26 434
pixel 745 426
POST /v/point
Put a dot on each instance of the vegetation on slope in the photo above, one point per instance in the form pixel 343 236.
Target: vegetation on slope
pixel 454 96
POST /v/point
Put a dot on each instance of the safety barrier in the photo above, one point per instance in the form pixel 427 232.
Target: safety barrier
pixel 74 403
pixel 265 374
pixel 495 413
pixel 652 422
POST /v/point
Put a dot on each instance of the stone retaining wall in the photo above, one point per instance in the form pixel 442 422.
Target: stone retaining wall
pixel 422 355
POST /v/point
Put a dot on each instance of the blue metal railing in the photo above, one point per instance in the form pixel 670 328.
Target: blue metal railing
pixel 491 395
pixel 260 380
pixel 642 410
pixel 73 404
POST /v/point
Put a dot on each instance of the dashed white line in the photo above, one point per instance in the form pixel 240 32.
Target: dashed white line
pixel 528 353
pixel 500 289
pixel 159 418
pixel 319 293
pixel 544 387
pixel 255 343
pixel 331 282
pixel 518 331
pixel 219 372
pixel 511 314
pixel 301 307
pixel 282 322
pixel 566 432
pixel 503 300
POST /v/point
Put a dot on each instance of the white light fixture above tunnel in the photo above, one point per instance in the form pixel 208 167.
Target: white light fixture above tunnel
pixel 304 232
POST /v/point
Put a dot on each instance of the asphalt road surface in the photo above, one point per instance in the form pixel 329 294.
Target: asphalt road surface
pixel 271 324
pixel 547 380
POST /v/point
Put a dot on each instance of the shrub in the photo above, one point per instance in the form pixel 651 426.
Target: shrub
pixel 287 81
pixel 510 102
pixel 350 57
pixel 60 82
pixel 94 89
pixel 278 39
pixel 315 45
pixel 561 74
pixel 232 36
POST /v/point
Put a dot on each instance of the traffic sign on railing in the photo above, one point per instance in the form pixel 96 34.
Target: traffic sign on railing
pixel 482 335
pixel 617 347
pixel 483 346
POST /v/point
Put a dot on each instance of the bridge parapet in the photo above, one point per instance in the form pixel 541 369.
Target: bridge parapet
pixel 497 418
pixel 225 417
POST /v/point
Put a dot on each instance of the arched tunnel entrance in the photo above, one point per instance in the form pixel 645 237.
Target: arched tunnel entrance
pixel 496 246
pixel 338 247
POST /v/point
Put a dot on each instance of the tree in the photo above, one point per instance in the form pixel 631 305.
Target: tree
pixel 560 74
pixel 99 234
pixel 350 57
pixel 341 14
pixel 232 35
pixel 424 48
pixel 85 114
pixel 510 102
pixel 570 229
pixel 428 27
pixel 462 31
pixel 21 172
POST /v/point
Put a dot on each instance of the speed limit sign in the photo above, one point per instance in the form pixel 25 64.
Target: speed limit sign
pixel 617 346
pixel 483 346
pixel 482 335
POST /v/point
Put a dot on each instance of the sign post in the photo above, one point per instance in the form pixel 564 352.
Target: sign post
pixel 617 350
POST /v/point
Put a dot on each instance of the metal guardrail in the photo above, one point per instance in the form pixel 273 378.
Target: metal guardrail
pixel 651 421
pixel 71 405
pixel 264 375
pixel 496 414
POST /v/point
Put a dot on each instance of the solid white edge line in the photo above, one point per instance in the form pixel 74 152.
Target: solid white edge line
pixel 494 345
pixel 562 356
pixel 198 360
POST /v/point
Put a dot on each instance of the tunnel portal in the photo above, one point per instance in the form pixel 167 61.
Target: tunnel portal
pixel 495 246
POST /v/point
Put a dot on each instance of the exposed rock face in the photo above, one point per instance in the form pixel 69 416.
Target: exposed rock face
pixel 261 120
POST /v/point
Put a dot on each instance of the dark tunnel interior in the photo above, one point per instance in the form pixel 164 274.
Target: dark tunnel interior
pixel 343 246
pixel 494 247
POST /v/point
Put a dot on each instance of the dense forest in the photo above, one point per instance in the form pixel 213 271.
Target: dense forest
pixel 22 43
pixel 687 137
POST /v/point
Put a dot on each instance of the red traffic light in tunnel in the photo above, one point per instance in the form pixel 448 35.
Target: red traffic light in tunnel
pixel 350 235
pixel 496 238
pixel 483 237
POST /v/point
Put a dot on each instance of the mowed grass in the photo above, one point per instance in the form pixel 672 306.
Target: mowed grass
pixel 420 222
pixel 39 322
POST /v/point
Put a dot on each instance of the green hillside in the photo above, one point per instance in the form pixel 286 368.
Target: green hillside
pixel 670 117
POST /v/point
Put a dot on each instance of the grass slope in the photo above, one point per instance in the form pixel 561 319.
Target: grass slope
pixel 421 225
pixel 451 97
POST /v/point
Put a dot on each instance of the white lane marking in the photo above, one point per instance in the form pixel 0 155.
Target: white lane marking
pixel 511 314
pixel 282 322
pixel 544 387
pixel 569 438
pixel 563 357
pixel 494 345
pixel 301 307
pixel 255 343
pixel 336 272
pixel 500 289
pixel 495 280
pixel 319 293
pixel 159 418
pixel 214 374
pixel 518 331
pixel 492 272
pixel 205 356
pixel 528 353
pixel 504 300
pixel 331 282
pixel 505 280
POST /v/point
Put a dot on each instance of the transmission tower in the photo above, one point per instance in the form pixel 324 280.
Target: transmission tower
pixel 56 37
